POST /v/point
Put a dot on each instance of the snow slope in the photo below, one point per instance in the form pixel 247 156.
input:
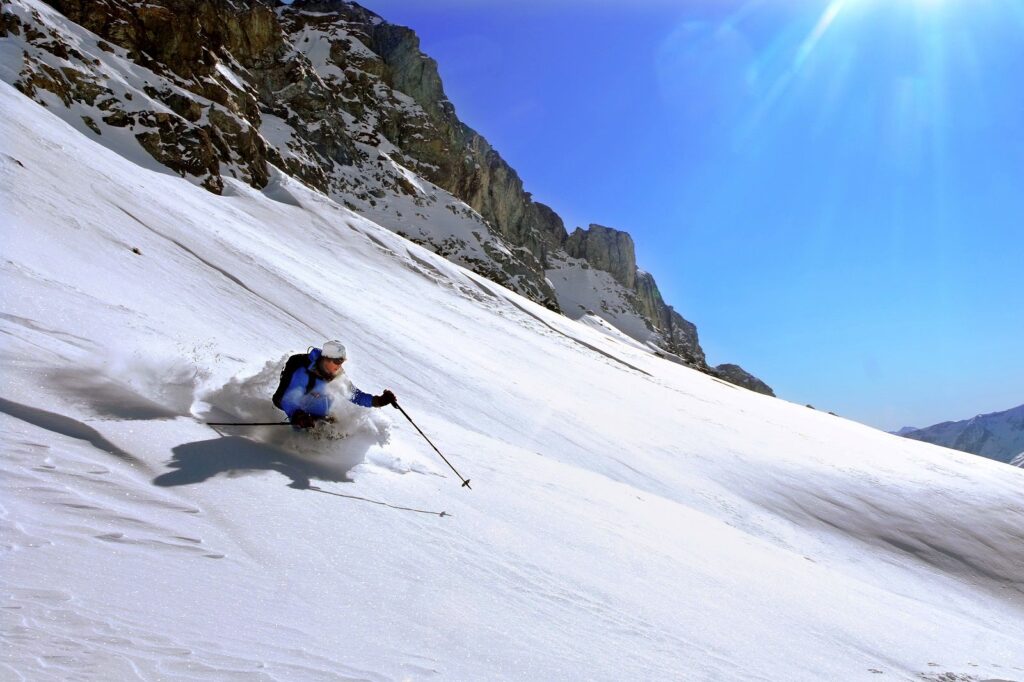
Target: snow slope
pixel 629 519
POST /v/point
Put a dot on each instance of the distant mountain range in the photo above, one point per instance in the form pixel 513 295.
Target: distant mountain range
pixel 998 436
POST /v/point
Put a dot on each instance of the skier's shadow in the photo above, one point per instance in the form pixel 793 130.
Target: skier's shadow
pixel 234 456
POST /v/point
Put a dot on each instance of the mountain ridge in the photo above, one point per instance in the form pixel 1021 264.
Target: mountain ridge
pixel 995 435
pixel 334 95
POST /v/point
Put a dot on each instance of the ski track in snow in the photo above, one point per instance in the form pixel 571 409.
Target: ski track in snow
pixel 629 518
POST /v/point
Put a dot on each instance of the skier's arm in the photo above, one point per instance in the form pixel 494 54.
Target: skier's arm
pixel 360 398
pixel 367 400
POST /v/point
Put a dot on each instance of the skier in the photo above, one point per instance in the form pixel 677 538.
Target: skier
pixel 302 393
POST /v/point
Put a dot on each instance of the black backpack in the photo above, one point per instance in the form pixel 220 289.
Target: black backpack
pixel 294 362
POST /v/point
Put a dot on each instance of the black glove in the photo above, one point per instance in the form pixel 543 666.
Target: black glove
pixel 302 420
pixel 385 398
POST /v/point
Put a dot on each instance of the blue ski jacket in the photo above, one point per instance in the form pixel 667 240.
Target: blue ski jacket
pixel 315 402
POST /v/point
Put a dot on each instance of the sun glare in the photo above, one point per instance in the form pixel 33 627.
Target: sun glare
pixel 827 18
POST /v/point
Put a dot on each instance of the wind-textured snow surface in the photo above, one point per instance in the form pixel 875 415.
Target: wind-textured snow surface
pixel 629 518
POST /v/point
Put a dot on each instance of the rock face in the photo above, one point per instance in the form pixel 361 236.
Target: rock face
pixel 735 374
pixel 325 91
pixel 606 249
pixel 998 436
pixel 632 292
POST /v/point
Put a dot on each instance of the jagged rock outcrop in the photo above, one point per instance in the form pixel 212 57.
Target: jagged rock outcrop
pixel 735 374
pixel 613 251
pixel 550 226
pixel 605 248
pixel 329 93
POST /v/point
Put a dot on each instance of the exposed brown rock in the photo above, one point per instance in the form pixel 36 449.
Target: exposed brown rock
pixel 735 374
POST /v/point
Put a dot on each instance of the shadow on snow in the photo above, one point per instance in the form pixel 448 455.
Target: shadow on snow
pixel 234 455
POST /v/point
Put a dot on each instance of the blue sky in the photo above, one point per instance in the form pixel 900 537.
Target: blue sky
pixel 833 191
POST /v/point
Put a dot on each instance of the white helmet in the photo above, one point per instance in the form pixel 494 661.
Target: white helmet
pixel 334 350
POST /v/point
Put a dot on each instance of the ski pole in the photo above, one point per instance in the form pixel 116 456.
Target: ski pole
pixel 248 423
pixel 465 481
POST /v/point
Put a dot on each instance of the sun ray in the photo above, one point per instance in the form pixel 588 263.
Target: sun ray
pixel 826 20
pixel 781 83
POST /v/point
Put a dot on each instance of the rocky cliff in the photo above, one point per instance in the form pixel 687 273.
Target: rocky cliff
pixel 325 91
pixel 634 306
pixel 737 375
